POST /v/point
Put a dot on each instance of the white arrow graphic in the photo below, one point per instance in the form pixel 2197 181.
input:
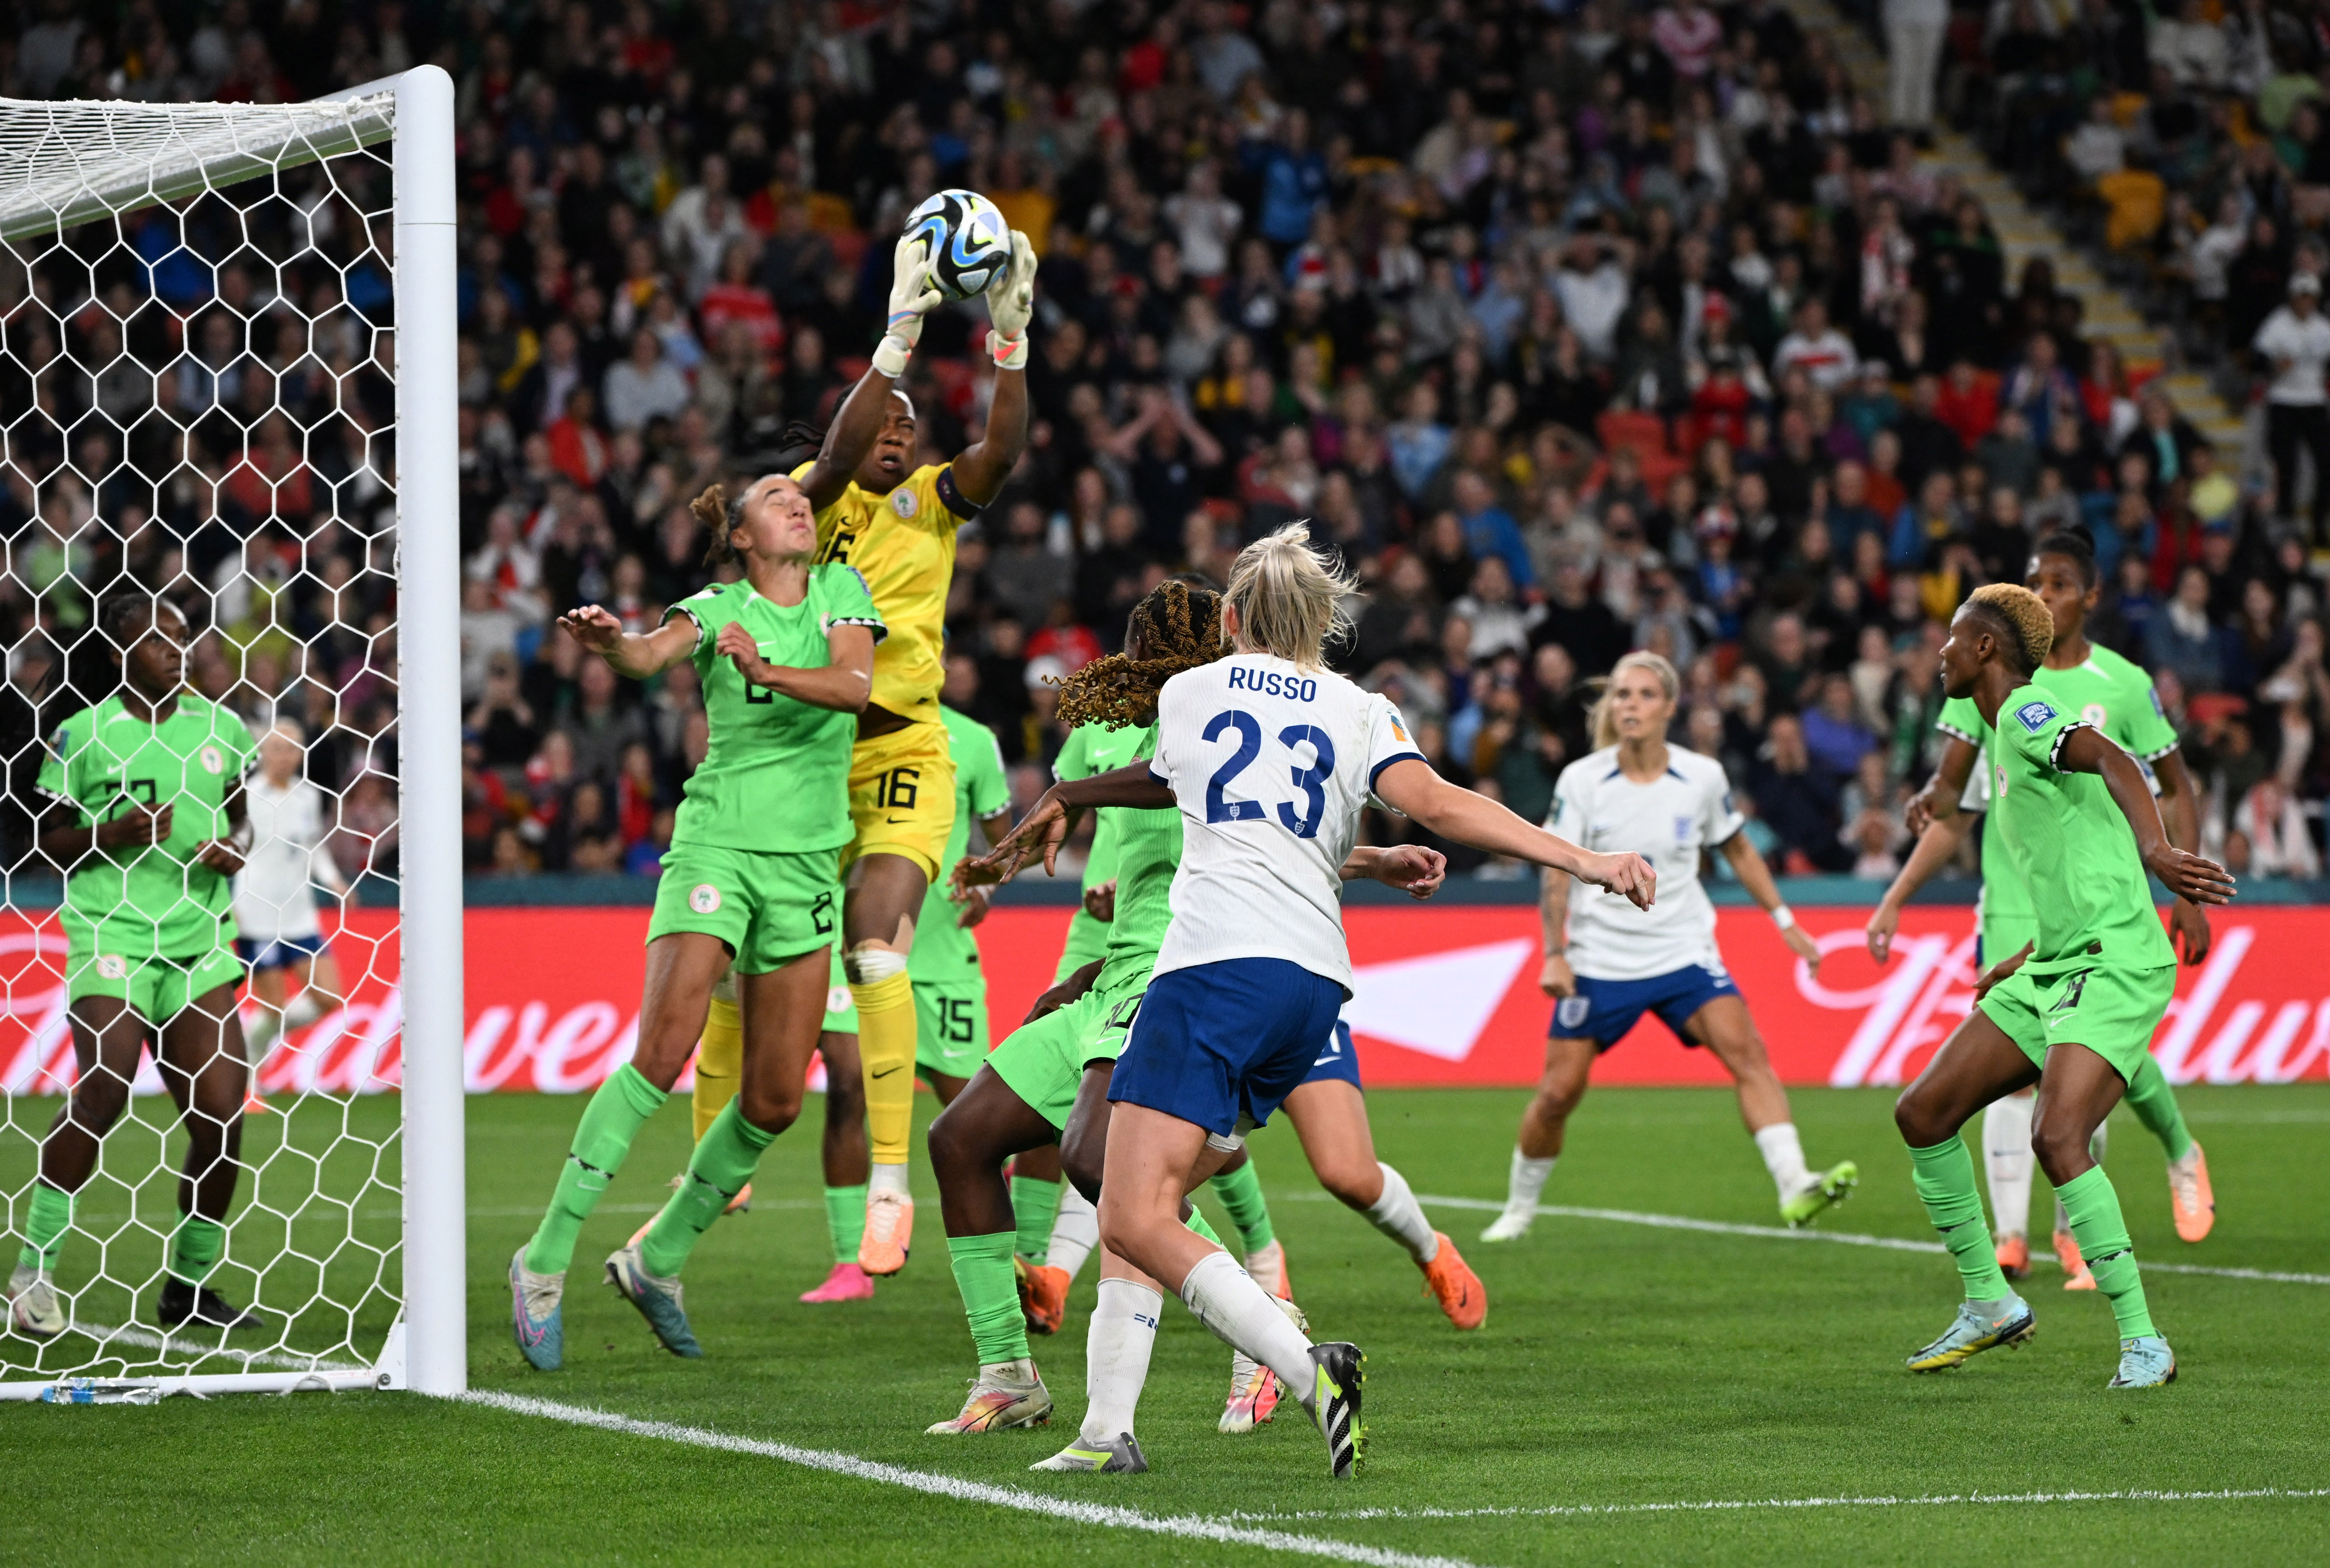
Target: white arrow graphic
pixel 1437 1004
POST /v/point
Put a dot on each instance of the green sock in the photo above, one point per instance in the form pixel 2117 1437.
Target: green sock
pixel 2096 1224
pixel 990 1296
pixel 194 1248
pixel 1944 1177
pixel 716 1172
pixel 1240 1191
pixel 44 1227
pixel 1035 1202
pixel 601 1138
pixel 1198 1225
pixel 845 1220
pixel 2155 1104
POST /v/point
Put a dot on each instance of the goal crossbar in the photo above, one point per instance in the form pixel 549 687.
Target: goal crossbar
pixel 74 161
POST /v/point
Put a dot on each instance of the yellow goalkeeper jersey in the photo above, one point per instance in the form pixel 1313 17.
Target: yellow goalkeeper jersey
pixel 903 545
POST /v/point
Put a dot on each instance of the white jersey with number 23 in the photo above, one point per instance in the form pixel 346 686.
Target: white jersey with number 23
pixel 1271 765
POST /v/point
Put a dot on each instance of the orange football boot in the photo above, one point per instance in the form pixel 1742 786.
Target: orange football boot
pixel 1451 1279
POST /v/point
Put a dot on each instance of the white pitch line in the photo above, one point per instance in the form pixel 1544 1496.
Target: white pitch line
pixel 1187 1526
pixel 1842 1238
pixel 1572 1510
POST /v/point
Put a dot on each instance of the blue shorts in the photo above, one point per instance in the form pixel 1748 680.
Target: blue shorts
pixel 1219 1044
pixel 1338 1059
pixel 1604 1010
pixel 279 954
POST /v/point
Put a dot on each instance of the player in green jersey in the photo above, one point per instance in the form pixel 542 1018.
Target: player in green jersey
pixel 2074 1009
pixel 950 988
pixel 146 818
pixel 2117 697
pixel 786 656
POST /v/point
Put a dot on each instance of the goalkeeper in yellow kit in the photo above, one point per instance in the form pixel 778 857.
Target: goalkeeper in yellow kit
pixel 895 523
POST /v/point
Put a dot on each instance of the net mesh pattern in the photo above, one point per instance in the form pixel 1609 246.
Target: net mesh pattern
pixel 198 953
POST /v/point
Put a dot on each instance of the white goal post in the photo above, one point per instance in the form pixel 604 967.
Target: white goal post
pixel 348 1235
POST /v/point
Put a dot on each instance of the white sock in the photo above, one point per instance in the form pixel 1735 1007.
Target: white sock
pixel 1527 1182
pixel 1396 1215
pixel 888 1179
pixel 1116 1357
pixel 2007 1160
pixel 1076 1232
pixel 304 1010
pixel 1242 1315
pixel 1784 1156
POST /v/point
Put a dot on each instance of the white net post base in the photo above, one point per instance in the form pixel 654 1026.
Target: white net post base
pixel 230 1150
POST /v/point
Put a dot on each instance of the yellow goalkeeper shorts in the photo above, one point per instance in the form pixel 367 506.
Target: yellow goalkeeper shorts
pixel 902 796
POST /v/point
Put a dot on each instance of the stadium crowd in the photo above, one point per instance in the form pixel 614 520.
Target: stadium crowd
pixel 1575 329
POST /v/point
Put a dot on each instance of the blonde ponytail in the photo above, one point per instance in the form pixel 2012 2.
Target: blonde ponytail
pixel 1288 601
pixel 1605 723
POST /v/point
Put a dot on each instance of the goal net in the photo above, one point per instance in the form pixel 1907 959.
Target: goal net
pixel 230 921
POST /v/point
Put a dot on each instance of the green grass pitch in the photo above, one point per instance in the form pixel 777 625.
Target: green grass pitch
pixel 1621 1365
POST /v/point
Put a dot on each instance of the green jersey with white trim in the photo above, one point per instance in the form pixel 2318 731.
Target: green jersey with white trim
pixel 775 776
pixel 2090 898
pixel 944 950
pixel 2111 692
pixel 1092 748
pixel 141 901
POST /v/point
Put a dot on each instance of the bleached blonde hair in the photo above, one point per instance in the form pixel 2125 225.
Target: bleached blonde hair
pixel 1289 602
pixel 1604 723
pixel 2022 612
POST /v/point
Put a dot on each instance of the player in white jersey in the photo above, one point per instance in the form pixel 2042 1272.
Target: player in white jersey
pixel 1606 966
pixel 274 904
pixel 1271 758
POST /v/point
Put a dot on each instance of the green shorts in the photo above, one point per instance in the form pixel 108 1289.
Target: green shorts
pixel 2111 1012
pixel 768 908
pixel 950 1033
pixel 157 990
pixel 1044 1062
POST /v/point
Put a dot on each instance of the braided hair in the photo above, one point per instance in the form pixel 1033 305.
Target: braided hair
pixel 1178 625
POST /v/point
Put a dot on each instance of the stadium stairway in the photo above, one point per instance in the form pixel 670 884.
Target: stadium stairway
pixel 2023 232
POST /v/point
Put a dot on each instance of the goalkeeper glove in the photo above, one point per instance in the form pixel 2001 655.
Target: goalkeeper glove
pixel 1011 303
pixel 912 298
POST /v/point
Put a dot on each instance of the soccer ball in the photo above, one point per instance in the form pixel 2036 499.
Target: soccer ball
pixel 969 240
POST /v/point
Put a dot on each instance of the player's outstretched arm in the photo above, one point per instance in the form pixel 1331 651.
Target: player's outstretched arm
pixel 630 654
pixel 1756 877
pixel 843 685
pixel 1047 822
pixel 1556 978
pixel 1412 788
pixel 1935 849
pixel 2188 876
pixel 982 468
pixel 859 419
pixel 1412 868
